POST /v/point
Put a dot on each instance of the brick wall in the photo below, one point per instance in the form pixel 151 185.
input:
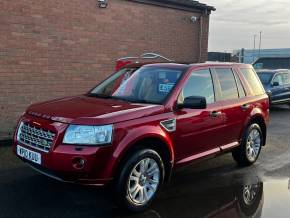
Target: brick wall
pixel 56 48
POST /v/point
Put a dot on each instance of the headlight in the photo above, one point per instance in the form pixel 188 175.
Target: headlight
pixel 88 135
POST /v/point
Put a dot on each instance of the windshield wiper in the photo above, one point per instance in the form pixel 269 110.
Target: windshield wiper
pixel 142 101
pixel 97 95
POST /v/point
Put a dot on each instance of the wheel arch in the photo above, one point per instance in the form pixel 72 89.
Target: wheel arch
pixel 154 142
pixel 262 123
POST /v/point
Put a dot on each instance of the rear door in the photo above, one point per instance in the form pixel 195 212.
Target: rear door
pixel 278 92
pixel 230 97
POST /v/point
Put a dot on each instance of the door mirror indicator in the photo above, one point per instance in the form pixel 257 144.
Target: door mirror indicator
pixel 193 102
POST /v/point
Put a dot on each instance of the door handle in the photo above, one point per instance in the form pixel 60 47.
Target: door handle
pixel 245 106
pixel 215 114
pixel 287 89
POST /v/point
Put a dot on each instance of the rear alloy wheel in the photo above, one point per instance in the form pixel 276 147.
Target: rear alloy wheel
pixel 248 152
pixel 140 180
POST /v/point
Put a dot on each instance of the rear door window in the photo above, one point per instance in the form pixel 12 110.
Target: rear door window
pixel 227 82
pixel 253 81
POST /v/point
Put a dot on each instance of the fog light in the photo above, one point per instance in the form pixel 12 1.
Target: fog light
pixel 78 163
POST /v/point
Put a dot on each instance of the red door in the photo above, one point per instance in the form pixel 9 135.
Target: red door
pixel 198 132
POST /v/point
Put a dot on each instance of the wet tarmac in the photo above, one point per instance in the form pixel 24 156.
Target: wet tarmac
pixel 214 188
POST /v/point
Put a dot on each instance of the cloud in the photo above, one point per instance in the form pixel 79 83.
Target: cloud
pixel 235 22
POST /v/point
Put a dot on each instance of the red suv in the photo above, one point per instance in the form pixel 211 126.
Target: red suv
pixel 142 122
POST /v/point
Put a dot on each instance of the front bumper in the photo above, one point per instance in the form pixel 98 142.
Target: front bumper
pixel 61 162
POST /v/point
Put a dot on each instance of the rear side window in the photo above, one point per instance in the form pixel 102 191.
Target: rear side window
pixel 241 89
pixel 253 81
pixel 286 78
pixel 199 84
pixel 278 79
pixel 227 83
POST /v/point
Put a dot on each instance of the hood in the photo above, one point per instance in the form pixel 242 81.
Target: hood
pixel 92 111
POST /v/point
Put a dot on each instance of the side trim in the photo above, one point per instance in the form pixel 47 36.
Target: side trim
pixel 282 100
pixel 209 152
pixel 200 155
pixel 229 146
pixel 169 125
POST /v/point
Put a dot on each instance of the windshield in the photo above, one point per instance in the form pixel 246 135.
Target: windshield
pixel 265 77
pixel 144 85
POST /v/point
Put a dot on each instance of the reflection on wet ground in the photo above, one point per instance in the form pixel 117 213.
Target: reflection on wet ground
pixel 238 193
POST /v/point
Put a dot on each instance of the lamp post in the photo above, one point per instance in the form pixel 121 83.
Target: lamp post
pixel 260 42
pixel 254 50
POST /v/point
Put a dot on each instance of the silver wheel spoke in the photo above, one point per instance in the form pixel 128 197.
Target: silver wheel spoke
pixel 143 181
pixel 253 144
pixel 145 194
pixel 152 181
pixel 136 173
pixel 135 191
pixel 134 178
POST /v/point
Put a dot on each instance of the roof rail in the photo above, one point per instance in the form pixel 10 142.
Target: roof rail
pixel 148 55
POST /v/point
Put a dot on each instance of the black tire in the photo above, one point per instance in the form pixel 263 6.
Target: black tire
pixel 250 207
pixel 240 153
pixel 122 183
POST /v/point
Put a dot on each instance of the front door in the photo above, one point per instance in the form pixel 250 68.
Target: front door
pixel 199 131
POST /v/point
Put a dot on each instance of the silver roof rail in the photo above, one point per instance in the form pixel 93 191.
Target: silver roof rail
pixel 148 55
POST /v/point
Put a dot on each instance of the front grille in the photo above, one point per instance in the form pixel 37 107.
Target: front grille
pixel 35 137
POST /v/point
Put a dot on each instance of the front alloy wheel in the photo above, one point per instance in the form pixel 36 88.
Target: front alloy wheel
pixel 143 181
pixel 140 179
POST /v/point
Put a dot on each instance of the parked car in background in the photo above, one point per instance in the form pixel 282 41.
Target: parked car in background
pixel 277 85
pixel 272 63
pixel 144 121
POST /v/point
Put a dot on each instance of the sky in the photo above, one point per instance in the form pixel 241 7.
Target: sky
pixel 235 22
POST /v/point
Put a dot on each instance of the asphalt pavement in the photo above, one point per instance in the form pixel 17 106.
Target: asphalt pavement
pixel 212 188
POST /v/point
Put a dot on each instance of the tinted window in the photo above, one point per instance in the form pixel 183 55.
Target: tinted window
pixel 199 84
pixel 286 78
pixel 240 86
pixel 253 81
pixel 227 84
pixel 278 79
pixel 146 85
pixel 265 77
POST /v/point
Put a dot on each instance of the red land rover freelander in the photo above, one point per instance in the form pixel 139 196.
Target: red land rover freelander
pixel 142 122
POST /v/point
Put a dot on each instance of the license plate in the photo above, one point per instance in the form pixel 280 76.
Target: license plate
pixel 29 155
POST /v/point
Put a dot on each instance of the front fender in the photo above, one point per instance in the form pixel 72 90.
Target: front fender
pixel 135 135
pixel 140 133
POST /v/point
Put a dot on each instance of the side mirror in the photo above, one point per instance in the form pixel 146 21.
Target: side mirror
pixel 276 84
pixel 194 102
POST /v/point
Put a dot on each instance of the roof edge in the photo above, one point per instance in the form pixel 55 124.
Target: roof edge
pixel 193 6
